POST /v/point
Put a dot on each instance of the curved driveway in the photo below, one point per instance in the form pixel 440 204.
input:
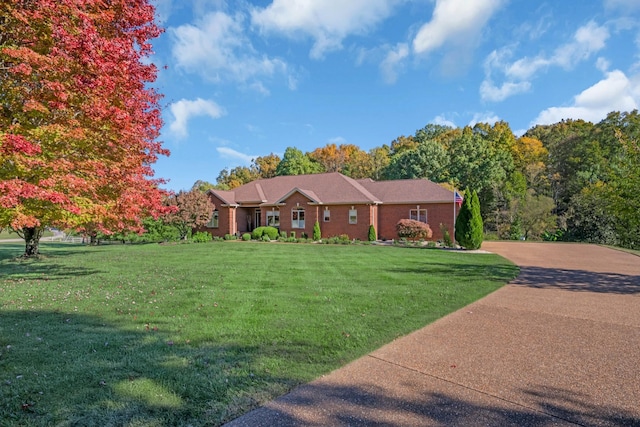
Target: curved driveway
pixel 560 345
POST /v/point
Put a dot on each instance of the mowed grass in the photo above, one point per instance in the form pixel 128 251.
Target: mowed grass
pixel 160 335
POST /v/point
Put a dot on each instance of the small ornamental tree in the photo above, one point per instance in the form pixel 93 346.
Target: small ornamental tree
pixel 469 227
pixel 413 230
pixel 373 236
pixel 78 119
pixel 317 234
pixel 192 209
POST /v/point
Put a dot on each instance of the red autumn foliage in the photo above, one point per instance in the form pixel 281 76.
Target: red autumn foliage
pixel 193 209
pixel 78 119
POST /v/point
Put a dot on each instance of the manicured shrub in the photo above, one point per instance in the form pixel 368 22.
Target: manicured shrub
pixel 317 235
pixel 201 237
pixel 372 234
pixel 446 237
pixel 246 237
pixel 413 230
pixel 272 232
pixel 257 233
pixel 469 227
pixel 283 235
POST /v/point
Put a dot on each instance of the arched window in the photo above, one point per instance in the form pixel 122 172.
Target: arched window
pixel 213 222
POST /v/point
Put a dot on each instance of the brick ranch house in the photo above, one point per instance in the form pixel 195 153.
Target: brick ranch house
pixel 340 204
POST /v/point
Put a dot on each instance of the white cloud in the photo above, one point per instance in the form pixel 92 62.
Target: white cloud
pixel 338 140
pixel 163 10
pixel 327 22
pixel 184 109
pixel 623 5
pixel 490 92
pixel 587 40
pixel 614 93
pixel 217 48
pixel 393 62
pixel 457 21
pixel 230 153
pixel 443 121
pixel 488 117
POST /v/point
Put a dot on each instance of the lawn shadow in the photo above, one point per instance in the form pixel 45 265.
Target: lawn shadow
pixel 462 271
pixel 342 405
pixel 578 280
pixel 68 369
pixel 38 268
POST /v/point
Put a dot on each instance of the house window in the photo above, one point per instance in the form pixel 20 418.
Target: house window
pixel 418 215
pixel 353 216
pixel 297 218
pixel 327 215
pixel 213 222
pixel 273 218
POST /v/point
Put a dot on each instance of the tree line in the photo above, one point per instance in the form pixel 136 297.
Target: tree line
pixel 572 180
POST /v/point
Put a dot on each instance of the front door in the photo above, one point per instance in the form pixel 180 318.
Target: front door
pixel 258 222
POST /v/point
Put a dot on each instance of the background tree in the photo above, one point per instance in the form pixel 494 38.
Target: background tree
pixel 192 209
pixel 377 162
pixel 78 119
pixel 203 186
pixel 402 143
pixel 428 160
pixel 295 162
pixel 535 215
pixel 266 166
pixel 238 176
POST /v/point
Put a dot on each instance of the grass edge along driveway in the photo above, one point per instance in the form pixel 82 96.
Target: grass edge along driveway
pixel 198 334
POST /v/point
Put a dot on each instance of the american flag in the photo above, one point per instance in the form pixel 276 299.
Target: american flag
pixel 457 198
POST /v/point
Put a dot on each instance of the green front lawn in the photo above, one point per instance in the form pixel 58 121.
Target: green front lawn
pixel 197 334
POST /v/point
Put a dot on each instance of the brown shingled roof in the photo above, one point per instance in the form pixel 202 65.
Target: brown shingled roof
pixel 335 188
pixel 327 187
pixel 408 191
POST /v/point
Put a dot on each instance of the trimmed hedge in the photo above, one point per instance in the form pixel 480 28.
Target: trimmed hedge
pixel 271 232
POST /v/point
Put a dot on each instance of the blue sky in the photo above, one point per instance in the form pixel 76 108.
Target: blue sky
pixel 243 79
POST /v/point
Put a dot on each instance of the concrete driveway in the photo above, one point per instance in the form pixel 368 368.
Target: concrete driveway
pixel 560 345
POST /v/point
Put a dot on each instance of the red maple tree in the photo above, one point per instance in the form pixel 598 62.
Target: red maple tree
pixel 193 209
pixel 78 119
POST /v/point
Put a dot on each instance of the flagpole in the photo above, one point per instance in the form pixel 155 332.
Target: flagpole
pixel 454 217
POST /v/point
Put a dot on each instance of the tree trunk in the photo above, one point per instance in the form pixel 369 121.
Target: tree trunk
pixel 32 237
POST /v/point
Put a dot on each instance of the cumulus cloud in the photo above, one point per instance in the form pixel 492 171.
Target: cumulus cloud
pixel 491 92
pixel 217 48
pixel 587 41
pixel 488 117
pixel 230 153
pixel 616 92
pixel 454 21
pixel 327 22
pixel 185 109
pixel 393 62
pixel 443 121
pixel 623 5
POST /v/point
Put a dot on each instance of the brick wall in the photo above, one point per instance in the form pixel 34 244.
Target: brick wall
pixel 437 213
pixel 339 221
pixel 226 219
